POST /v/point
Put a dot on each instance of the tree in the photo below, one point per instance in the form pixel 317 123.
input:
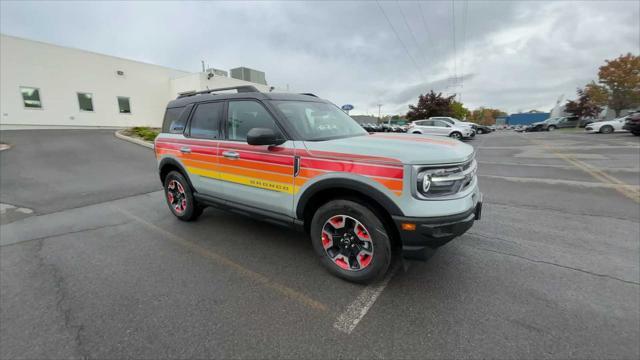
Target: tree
pixel 621 77
pixel 485 116
pixel 430 104
pixel 584 106
pixel 597 93
pixel 459 111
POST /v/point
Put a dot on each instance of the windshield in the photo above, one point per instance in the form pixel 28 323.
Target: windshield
pixel 316 121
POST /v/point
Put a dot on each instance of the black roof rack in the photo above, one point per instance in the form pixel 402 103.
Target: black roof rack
pixel 309 94
pixel 240 89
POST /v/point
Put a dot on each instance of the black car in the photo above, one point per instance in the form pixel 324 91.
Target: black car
pixel 633 123
pixel 481 129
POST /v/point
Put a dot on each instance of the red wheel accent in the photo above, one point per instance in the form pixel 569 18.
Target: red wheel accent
pixel 176 196
pixel 347 242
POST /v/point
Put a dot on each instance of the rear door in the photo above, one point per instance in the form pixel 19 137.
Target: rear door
pixel 255 176
pixel 199 152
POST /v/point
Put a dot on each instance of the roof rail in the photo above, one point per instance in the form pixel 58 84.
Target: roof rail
pixel 309 94
pixel 240 89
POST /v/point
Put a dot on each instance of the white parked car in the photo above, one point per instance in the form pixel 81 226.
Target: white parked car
pixel 606 127
pixel 440 128
pixel 456 122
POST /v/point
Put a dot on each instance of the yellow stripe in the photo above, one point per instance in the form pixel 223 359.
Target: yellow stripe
pixel 244 180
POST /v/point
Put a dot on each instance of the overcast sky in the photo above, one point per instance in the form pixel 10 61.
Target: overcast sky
pixel 515 56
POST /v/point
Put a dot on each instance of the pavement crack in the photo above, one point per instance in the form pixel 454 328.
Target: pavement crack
pixel 62 303
pixel 551 263
pixel 66 233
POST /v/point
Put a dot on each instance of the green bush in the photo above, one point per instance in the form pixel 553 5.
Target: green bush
pixel 145 133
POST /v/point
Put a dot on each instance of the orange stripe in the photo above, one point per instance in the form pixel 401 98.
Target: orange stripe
pixel 202 165
pixel 287 179
pixel 389 184
pixel 309 173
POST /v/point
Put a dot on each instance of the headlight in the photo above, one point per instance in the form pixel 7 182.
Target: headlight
pixel 437 182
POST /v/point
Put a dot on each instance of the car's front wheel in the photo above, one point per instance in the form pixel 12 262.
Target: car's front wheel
pixel 607 129
pixel 179 196
pixel 351 241
pixel 551 128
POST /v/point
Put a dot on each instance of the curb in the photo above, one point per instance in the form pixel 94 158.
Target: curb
pixel 133 140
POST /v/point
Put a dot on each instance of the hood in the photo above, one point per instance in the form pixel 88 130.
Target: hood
pixel 393 149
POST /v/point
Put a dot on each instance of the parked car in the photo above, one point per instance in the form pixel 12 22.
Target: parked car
pixel 632 123
pixel 357 195
pixel 554 123
pixel 439 128
pixel 456 122
pixel 482 129
pixel 606 127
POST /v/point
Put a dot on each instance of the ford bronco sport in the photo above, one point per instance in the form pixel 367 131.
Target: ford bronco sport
pixel 298 160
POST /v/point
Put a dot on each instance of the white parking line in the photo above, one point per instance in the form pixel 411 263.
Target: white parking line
pixel 356 311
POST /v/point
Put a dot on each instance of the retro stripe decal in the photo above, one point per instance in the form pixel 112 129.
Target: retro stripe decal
pixel 273 169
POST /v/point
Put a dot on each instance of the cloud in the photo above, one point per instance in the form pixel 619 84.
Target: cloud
pixel 509 55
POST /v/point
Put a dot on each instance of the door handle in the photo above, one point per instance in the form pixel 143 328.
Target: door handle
pixel 185 150
pixel 231 155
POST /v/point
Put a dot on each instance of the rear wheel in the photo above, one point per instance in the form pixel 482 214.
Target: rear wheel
pixel 551 128
pixel 180 198
pixel 607 129
pixel 456 135
pixel 351 241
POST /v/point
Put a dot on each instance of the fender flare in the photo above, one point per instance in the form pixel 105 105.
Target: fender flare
pixel 173 162
pixel 360 187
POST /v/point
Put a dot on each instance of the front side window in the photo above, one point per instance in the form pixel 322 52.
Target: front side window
pixel 246 115
pixel 85 101
pixel 31 97
pixel 317 121
pixel 205 122
pixel 123 105
pixel 441 123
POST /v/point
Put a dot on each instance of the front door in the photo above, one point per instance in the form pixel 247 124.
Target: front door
pixel 441 127
pixel 257 176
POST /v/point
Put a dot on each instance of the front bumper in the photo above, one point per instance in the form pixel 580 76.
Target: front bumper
pixel 433 232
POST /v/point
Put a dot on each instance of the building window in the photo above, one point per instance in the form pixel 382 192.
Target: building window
pixel 85 101
pixel 123 105
pixel 31 97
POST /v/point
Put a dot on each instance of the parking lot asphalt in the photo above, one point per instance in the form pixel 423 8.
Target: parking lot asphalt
pixel 551 271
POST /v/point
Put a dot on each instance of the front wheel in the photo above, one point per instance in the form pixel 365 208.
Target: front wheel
pixel 351 241
pixel 606 129
pixel 180 198
pixel 456 135
pixel 551 128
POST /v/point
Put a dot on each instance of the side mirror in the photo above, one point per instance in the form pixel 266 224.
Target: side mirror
pixel 263 136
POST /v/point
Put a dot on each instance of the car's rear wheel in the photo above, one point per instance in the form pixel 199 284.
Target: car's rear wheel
pixel 551 128
pixel 607 129
pixel 351 241
pixel 180 198
pixel 456 135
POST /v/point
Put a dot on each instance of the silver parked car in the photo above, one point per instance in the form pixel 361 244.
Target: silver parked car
pixel 440 128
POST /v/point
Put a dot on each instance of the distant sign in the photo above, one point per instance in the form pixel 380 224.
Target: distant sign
pixel 347 107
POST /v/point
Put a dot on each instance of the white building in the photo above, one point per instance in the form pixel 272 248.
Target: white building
pixel 45 86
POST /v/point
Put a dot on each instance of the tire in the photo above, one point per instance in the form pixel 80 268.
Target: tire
pixel 551 128
pixel 480 131
pixel 607 129
pixel 417 132
pixel 363 253
pixel 637 133
pixel 455 135
pixel 179 196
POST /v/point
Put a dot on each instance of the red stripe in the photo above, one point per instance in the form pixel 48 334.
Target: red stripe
pixel 370 170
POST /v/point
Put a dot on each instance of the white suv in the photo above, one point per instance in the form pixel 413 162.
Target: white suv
pixel 458 123
pixel 441 128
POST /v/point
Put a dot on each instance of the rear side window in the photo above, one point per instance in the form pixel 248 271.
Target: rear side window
pixel 172 121
pixel 205 122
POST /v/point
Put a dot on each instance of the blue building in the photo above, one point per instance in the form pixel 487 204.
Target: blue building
pixel 526 118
